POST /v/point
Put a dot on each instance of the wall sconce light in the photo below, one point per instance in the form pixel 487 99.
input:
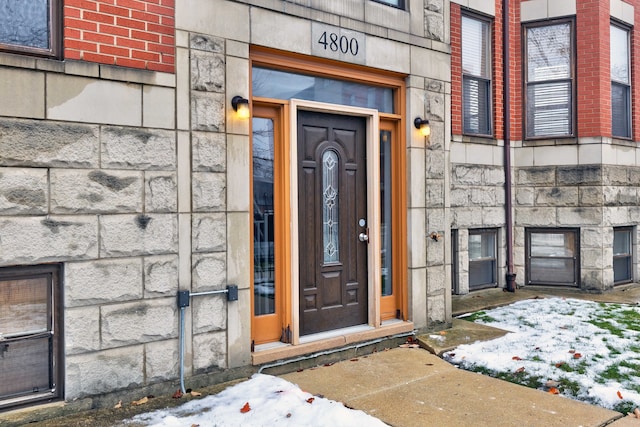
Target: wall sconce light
pixel 422 125
pixel 241 106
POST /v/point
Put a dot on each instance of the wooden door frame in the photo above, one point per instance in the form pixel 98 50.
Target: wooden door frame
pixel 373 204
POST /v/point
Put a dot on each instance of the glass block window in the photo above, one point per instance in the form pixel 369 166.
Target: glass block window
pixel 30 26
pixel 622 255
pixel 620 83
pixel 549 76
pixel 552 256
pixel 476 75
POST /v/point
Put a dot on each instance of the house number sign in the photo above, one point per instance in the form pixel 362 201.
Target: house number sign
pixel 337 43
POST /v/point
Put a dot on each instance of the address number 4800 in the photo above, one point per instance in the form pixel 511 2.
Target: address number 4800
pixel 337 43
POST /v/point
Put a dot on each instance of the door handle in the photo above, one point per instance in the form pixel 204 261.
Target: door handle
pixel 364 237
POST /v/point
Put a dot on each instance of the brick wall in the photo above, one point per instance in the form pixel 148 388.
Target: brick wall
pixel 456 69
pixel 593 68
pixel 129 33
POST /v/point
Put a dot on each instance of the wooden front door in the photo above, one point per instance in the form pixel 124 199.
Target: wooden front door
pixel 332 209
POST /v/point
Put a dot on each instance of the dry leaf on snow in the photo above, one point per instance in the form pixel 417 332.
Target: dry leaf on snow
pixel 619 394
pixel 519 370
pixel 177 394
pixel 246 408
pixel 516 358
pixel 554 390
pixel 310 400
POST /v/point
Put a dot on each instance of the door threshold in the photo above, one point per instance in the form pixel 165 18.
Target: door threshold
pixel 270 352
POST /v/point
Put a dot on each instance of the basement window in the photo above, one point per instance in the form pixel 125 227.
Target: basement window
pixel 622 255
pixel 30 335
pixel 553 256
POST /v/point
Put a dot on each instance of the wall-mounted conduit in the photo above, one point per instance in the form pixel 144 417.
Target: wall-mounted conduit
pixel 183 301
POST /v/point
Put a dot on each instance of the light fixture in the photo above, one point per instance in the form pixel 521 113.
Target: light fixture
pixel 241 106
pixel 422 125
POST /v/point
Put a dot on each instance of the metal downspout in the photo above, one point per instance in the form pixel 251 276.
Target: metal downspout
pixel 511 275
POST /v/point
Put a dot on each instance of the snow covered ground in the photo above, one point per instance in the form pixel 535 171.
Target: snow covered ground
pixel 584 350
pixel 263 400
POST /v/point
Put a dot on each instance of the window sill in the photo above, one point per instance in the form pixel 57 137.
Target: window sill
pixel 88 69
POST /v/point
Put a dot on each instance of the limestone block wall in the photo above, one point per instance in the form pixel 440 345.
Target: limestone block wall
pixel 88 178
pixel 593 197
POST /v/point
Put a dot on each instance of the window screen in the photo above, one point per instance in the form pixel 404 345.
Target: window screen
pixel 552 257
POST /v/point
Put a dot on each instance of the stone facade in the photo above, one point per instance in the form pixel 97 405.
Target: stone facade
pixel 136 181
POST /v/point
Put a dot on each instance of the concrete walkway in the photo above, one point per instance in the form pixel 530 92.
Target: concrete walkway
pixel 413 387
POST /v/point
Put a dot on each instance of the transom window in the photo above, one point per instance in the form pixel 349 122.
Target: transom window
pixel 549 80
pixel 31 26
pixel 620 83
pixel 476 75
pixel 552 256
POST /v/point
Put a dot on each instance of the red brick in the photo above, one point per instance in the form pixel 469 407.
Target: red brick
pixel 97 37
pixel 72 54
pixel 161 67
pixel 160 48
pixel 166 11
pixel 134 44
pixel 95 57
pixel 142 35
pixel 131 63
pixel 82 4
pixel 144 16
pixel 114 10
pixel 116 31
pixel 147 56
pixel 97 17
pixel 72 12
pixel 80 24
pixel 81 45
pixel 113 50
pixel 162 29
pixel 130 23
pixel 132 4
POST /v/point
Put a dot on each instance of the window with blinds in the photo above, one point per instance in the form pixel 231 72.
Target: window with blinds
pixel 549 79
pixel 476 75
pixel 620 83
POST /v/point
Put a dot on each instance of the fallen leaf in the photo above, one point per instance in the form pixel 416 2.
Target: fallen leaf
pixel 118 405
pixel 329 364
pixel 516 358
pixel 195 394
pixel 443 332
pixel 140 402
pixel 195 425
pixel 246 408
pixel 619 394
pixel 551 383
pixel 177 394
pixel 311 399
pixel 559 364
pixel 577 356
pixel 354 360
pixel 289 415
pixel 572 351
pixel 636 412
pixel 519 370
pixel 554 390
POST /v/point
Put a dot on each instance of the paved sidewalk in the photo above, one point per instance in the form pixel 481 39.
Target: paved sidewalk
pixel 412 387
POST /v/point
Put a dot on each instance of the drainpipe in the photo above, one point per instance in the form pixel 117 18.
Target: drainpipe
pixel 511 275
